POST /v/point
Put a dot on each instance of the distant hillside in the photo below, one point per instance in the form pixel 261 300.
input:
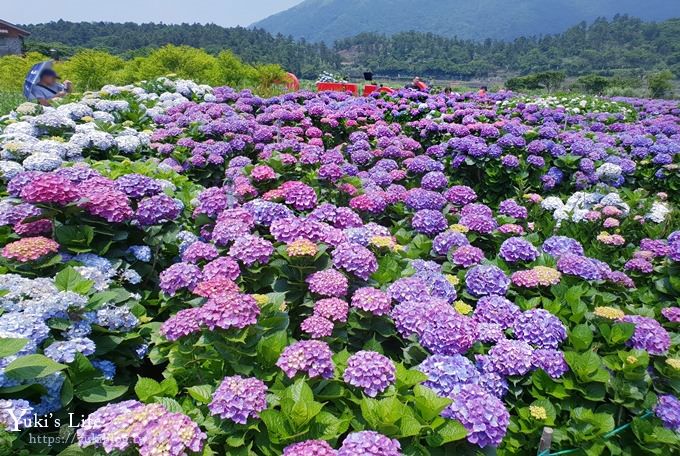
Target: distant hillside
pixel 329 20
pixel 622 45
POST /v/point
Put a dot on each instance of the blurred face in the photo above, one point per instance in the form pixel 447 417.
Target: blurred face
pixel 48 80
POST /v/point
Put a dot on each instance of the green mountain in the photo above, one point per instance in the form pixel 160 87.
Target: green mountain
pixel 329 20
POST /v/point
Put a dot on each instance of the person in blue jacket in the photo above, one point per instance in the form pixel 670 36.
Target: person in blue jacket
pixel 49 87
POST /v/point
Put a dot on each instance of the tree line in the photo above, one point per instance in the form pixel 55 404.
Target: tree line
pixel 623 46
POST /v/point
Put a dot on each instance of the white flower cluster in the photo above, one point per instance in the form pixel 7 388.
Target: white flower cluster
pixel 579 204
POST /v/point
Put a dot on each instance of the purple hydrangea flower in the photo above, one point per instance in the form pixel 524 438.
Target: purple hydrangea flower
pixel 410 317
pixel 356 259
pixel 372 300
pixel 199 251
pixel 179 276
pixel 445 241
pixel 137 185
pixel 486 280
pixel 328 282
pixel 310 448
pixel 238 399
pixel 407 289
pixel 157 209
pixel 225 267
pixel 251 249
pixel 496 309
pixel 449 334
pixel 540 328
pixel 370 371
pixel 482 414
pixel 446 374
pixel 510 357
pixel 551 361
pixel 369 443
pixel 668 411
pixel 467 255
pixel 460 195
pixel 429 222
pixel 317 327
pixel 649 335
pixel 313 357
pixel 517 249
pixel 560 245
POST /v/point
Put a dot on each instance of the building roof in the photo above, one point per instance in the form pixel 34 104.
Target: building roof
pixel 16 29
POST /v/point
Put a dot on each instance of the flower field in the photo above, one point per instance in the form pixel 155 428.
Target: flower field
pixel 196 270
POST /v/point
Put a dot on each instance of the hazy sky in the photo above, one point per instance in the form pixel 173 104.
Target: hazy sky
pixel 222 12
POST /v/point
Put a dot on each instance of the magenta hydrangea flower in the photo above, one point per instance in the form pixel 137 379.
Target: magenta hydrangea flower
pixel 356 259
pixel 540 328
pixel 372 300
pixel 449 334
pixel 199 251
pixel 312 357
pixel 467 255
pixel 110 204
pixel 328 282
pixel 238 399
pixel 483 415
pixel 223 311
pixel 649 335
pixel 310 448
pixel 332 309
pixel 225 267
pixel 299 195
pixel 369 443
pixel 49 188
pixel 317 327
pixel 460 195
pixel 251 249
pixel 370 371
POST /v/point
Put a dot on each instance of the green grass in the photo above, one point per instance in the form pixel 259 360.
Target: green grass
pixel 9 101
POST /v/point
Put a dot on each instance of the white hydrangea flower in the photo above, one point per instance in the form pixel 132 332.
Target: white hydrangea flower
pixel 128 144
pixel 552 203
pixel 9 169
pixel 53 119
pixel 658 212
pixel 42 162
pixel 608 171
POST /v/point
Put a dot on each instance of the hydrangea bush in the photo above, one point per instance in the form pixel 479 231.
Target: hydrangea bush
pixel 196 270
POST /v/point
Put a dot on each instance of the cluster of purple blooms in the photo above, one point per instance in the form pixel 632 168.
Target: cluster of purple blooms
pixel 150 428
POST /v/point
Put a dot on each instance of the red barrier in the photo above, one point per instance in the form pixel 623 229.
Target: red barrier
pixel 337 87
pixel 369 89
